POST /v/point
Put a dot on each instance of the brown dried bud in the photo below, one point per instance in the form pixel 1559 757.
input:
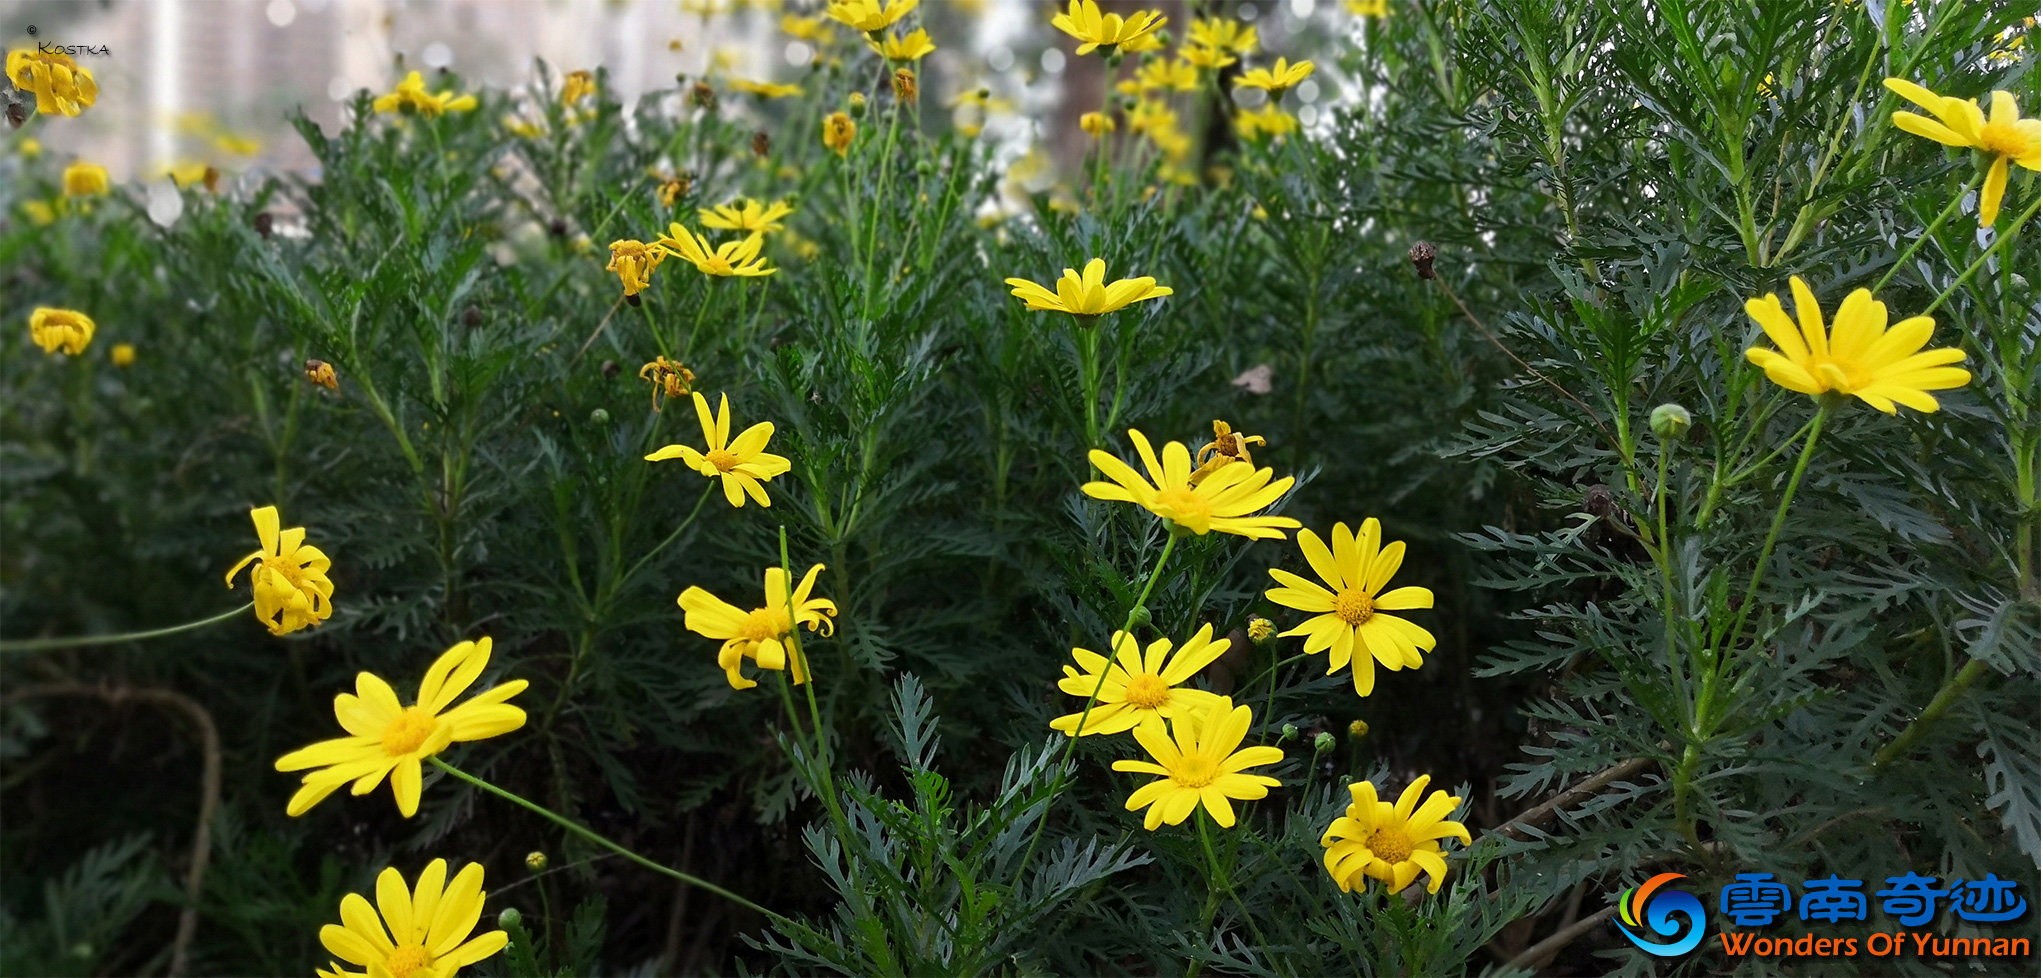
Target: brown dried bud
pixel 762 144
pixel 557 227
pixel 17 114
pixel 471 317
pixel 611 369
pixel 633 299
pixel 703 96
pixel 263 223
pixel 904 84
pixel 1423 254
pixel 1598 502
pixel 212 180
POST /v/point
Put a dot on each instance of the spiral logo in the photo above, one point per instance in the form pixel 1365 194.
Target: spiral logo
pixel 1649 907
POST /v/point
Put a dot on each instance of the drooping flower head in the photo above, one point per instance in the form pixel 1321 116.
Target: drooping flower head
pixel 732 258
pixel 1860 355
pixel 59 84
pixel 1198 764
pixel 410 96
pixel 634 263
pixel 746 214
pixel 668 378
pixel 1084 21
pixel 742 464
pixel 762 633
pixel 1228 445
pixel 838 131
pixel 1143 686
pixel 1088 294
pixel 387 738
pixel 291 587
pixel 1096 124
pixel 60 329
pixel 1348 613
pixel 322 373
pixel 421 932
pixel 869 15
pixel 1393 843
pixel 2004 135
pixel 1223 501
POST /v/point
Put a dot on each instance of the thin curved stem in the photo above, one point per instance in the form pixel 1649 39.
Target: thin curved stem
pixel 78 641
pixel 1915 245
pixel 2013 233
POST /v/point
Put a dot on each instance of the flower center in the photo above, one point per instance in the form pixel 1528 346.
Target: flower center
pixel 1148 692
pixel 405 961
pixel 762 624
pixel 406 733
pixel 1182 505
pixel 1354 607
pixel 1195 772
pixel 1844 378
pixel 722 459
pixel 2002 139
pixel 1390 844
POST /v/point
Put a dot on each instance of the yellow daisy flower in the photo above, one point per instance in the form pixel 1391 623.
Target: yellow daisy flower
pixel 1199 765
pixel 1276 78
pixel 1860 356
pixel 577 86
pixel 742 464
pixel 410 95
pixel 745 214
pixel 1096 124
pixel 59 83
pixel 1223 34
pixel 1084 21
pixel 1143 43
pixel 1368 8
pixel 291 587
pixel 765 89
pixel 740 257
pixel 1223 501
pixel 1087 295
pixel 1257 125
pixel 1175 74
pixel 61 329
pixel 634 262
pixel 422 932
pixel 387 738
pixel 1349 620
pixel 1959 122
pixel 83 179
pixel 912 46
pixel 1141 687
pixel 869 15
pixel 1201 56
pixel 1393 843
pixel 815 30
pixel 760 634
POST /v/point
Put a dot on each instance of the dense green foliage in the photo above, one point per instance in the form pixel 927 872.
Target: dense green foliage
pixel 1844 684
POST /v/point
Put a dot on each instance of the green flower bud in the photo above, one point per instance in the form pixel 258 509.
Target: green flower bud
pixel 1138 617
pixel 1290 733
pixel 509 917
pixel 1322 743
pixel 535 860
pixel 1669 421
pixel 598 416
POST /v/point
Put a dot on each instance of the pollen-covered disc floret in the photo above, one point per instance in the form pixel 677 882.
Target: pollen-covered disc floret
pixel 1139 686
pixel 385 737
pixel 1349 620
pixel 1393 843
pixel 291 587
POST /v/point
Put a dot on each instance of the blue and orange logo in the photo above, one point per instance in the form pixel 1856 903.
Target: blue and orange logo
pixel 1649 907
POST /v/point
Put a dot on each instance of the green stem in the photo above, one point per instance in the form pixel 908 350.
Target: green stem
pixel 1977 263
pixel 1938 705
pixel 1089 377
pixel 577 829
pixel 1212 890
pixel 79 641
pixel 1927 232
pixel 671 537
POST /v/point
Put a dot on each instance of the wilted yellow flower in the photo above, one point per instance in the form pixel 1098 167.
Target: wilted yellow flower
pixel 1089 294
pixel 667 377
pixel 82 179
pixel 1257 125
pixel 577 86
pixel 1200 765
pixel 634 262
pixel 869 15
pixel 760 634
pixel 1228 445
pixel 838 131
pixel 60 329
pixel 1223 501
pixel 291 587
pixel 1140 686
pixel 1860 356
pixel 1084 21
pixel 1096 123
pixel 1223 34
pixel 421 932
pixel 904 84
pixel 123 355
pixel 320 372
pixel 743 464
pixel 1348 612
pixel 815 30
pixel 1276 78
pixel 740 257
pixel 388 739
pixel 912 46
pixel 2004 135
pixel 1393 843
pixel 765 89
pixel 59 84
pixel 410 96
pixel 745 214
